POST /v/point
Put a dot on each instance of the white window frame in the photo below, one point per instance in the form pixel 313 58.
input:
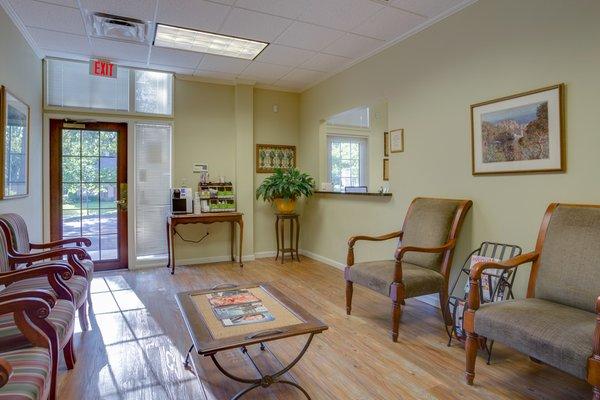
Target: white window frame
pixel 131 111
pixel 363 155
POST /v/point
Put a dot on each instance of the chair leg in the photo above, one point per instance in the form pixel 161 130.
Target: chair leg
pixel 69 354
pixel 396 314
pixel 83 317
pixel 445 308
pixel 53 378
pixel 471 355
pixel 596 393
pixel 349 290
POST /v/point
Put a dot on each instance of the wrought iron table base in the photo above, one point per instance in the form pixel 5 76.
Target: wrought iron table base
pixel 265 380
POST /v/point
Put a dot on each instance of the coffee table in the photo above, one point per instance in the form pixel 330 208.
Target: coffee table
pixel 209 336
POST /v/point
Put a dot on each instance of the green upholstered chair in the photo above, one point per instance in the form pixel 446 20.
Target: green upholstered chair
pixel 558 322
pixel 422 261
pixel 15 255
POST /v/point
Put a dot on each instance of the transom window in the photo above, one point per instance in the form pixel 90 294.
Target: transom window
pixel 347 161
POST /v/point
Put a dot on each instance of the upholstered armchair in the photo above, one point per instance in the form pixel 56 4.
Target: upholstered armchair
pixel 422 261
pixel 20 245
pixel 558 323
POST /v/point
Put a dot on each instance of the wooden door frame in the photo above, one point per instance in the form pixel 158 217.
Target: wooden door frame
pixel 55 193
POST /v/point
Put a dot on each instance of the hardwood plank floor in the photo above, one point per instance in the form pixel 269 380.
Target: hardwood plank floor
pixel 138 340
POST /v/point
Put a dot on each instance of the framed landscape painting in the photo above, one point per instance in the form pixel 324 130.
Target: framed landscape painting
pixel 523 133
pixel 14 146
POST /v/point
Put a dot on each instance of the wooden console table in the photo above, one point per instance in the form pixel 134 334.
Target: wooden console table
pixel 209 218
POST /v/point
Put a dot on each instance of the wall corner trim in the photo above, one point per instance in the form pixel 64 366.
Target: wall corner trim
pixel 22 28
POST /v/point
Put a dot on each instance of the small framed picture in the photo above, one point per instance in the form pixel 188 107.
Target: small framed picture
pixel 397 140
pixel 386 169
pixel 522 133
pixel 386 144
pixel 14 146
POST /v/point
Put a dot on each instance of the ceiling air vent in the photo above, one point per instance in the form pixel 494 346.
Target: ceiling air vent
pixel 119 28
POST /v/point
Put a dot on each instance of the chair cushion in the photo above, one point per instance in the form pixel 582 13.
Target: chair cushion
pixel 428 224
pixel 78 285
pixel 88 265
pixel 556 334
pixel 62 317
pixel 31 374
pixel 569 271
pixel 379 275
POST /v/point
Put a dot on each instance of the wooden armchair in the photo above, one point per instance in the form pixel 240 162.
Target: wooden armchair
pixel 29 372
pixel 79 259
pixel 559 321
pixel 74 288
pixel 422 261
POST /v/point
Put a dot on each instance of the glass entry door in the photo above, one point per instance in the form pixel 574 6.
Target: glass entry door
pixel 88 195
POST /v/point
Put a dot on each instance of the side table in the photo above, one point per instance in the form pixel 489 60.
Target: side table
pixel 280 233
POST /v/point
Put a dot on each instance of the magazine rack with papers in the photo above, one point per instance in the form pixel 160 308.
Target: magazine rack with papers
pixel 495 285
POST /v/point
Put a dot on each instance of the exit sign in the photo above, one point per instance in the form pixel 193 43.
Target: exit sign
pixel 103 68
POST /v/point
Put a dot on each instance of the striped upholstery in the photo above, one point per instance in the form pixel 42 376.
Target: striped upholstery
pixel 31 374
pixel 4 265
pixel 77 285
pixel 88 265
pixel 62 318
pixel 19 232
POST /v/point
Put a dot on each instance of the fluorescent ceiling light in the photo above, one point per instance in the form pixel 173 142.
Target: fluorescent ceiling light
pixel 204 42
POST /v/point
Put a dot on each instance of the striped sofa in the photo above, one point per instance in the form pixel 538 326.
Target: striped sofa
pixel 20 255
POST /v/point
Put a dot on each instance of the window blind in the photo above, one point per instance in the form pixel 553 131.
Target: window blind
pixel 69 84
pixel 153 181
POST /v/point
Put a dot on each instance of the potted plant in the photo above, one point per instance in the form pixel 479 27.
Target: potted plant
pixel 284 187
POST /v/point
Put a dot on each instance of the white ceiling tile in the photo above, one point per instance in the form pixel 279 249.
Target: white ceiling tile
pixel 308 36
pixel 175 58
pixel 195 14
pixel 283 8
pixel 174 69
pixel 228 2
pixel 325 62
pixel 59 41
pixel 230 65
pixel 428 8
pixel 49 16
pixel 353 46
pixel 67 3
pixel 253 25
pixel 264 73
pixel 138 9
pixel 294 86
pixel 303 76
pixel 113 49
pixel 339 14
pixel 215 75
pixel 388 24
pixel 283 55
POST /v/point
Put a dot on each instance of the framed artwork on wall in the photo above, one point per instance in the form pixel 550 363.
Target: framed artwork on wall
pixel 522 133
pixel 397 140
pixel 270 157
pixel 14 146
pixel 386 144
pixel 386 169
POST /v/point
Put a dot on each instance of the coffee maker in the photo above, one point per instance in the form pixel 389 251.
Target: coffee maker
pixel 182 201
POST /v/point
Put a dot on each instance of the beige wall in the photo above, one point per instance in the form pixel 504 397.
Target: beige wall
pixel 219 125
pixel 21 73
pixel 490 49
pixel 271 128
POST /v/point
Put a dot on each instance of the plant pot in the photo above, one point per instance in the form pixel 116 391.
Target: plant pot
pixel 285 206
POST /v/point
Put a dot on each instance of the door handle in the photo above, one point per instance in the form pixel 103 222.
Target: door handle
pixel 122 202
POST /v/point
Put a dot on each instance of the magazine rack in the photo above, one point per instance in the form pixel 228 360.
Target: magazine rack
pixel 495 285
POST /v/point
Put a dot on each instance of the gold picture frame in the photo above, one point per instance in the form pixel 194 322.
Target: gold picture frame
pixel 270 157
pixel 386 144
pixel 14 133
pixel 522 133
pixel 386 169
pixel 397 141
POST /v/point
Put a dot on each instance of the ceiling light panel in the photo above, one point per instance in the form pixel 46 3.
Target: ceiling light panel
pixel 204 42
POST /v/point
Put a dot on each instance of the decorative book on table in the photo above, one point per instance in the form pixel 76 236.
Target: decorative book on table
pixel 238 307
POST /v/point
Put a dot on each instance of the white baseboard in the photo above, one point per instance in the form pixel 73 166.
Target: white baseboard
pixel 265 254
pixel 191 261
pixel 322 259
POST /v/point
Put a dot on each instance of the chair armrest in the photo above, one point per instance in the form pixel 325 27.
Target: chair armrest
pixel 45 295
pixel 406 249
pixel 45 255
pixel 6 372
pixel 354 239
pixel 57 243
pixel 55 272
pixel 30 315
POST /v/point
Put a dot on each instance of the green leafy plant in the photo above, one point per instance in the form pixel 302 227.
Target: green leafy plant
pixel 288 184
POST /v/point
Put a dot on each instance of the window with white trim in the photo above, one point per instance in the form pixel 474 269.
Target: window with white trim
pixel 347 161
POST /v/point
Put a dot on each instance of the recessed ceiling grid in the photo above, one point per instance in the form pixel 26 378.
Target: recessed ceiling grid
pixel 310 40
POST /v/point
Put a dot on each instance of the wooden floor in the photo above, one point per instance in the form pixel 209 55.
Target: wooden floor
pixel 138 340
